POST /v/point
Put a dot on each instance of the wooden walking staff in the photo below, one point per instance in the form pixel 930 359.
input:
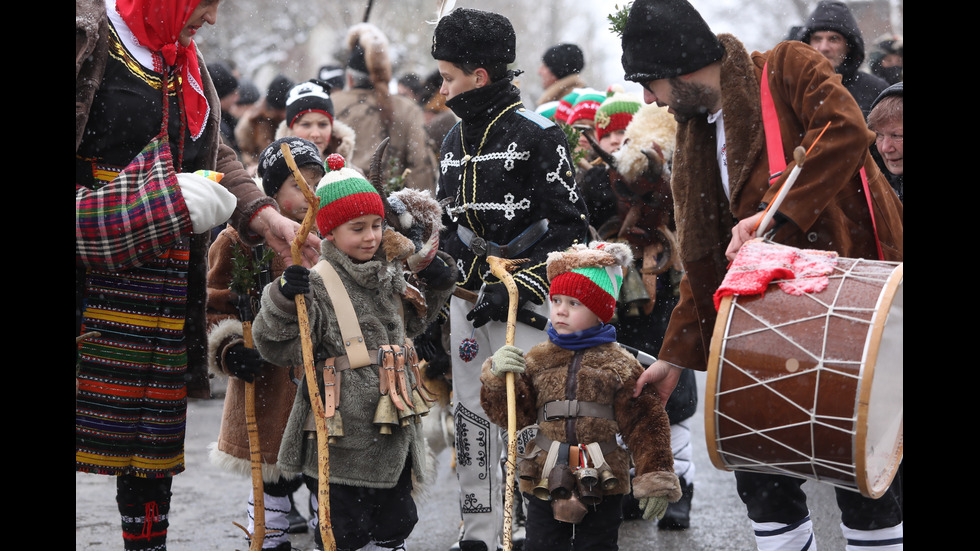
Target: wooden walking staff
pixel 254 453
pixel 319 416
pixel 243 282
pixel 501 267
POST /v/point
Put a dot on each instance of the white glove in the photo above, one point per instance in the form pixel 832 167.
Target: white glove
pixel 208 202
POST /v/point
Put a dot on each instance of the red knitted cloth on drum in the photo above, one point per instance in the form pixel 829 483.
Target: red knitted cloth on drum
pixel 758 263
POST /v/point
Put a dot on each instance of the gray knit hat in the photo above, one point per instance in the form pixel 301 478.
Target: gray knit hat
pixel 665 39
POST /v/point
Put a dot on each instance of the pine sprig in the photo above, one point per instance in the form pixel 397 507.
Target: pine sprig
pixel 396 176
pixel 617 19
pixel 245 268
pixel 572 136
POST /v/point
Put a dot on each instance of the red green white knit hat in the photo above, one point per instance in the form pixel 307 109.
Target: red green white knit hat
pixel 565 104
pixel 586 104
pixel 344 195
pixel 548 109
pixel 616 111
pixel 591 274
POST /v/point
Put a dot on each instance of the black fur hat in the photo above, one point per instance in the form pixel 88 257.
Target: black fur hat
pixel 665 39
pixel 474 36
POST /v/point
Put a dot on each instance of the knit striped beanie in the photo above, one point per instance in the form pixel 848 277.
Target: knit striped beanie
pixel 591 274
pixel 547 109
pixel 616 111
pixel 586 104
pixel 344 195
pixel 564 108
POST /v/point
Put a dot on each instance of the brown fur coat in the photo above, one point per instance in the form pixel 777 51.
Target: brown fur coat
pixel 274 389
pixel 827 207
pixel 607 376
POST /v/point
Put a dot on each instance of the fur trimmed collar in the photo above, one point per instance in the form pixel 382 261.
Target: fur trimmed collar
pixel 561 88
pixel 696 180
pixel 373 274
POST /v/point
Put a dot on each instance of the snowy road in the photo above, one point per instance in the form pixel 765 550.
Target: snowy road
pixel 207 501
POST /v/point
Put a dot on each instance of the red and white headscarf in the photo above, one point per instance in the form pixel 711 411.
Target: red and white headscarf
pixel 157 25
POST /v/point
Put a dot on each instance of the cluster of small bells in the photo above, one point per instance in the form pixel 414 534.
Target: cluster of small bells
pixel 398 409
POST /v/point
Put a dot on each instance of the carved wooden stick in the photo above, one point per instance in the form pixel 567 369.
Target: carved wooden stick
pixel 254 453
pixel 501 267
pixel 319 415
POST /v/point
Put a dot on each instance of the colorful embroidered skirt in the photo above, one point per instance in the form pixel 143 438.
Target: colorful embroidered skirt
pixel 131 406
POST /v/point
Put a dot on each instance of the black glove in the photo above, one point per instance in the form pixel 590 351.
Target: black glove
pixel 242 362
pixel 438 274
pixel 493 306
pixel 428 344
pixel 295 280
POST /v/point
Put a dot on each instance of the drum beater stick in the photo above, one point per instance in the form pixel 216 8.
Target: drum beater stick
pixel 799 155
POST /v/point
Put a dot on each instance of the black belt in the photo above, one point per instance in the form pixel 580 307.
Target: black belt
pixel 606 447
pixel 521 243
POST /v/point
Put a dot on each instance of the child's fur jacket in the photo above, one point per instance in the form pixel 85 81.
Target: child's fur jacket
pixel 607 376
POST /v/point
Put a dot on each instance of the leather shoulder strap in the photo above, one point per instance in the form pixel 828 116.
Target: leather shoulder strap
pixel 770 122
pixel 350 329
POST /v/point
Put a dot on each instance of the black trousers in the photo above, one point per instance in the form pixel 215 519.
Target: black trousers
pixel 777 498
pixel 359 515
pixel 598 531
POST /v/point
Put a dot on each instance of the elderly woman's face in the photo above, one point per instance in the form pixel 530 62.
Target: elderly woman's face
pixel 890 140
pixel 205 12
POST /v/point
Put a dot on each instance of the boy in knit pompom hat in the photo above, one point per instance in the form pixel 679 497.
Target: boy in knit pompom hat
pixel 582 362
pixel 345 195
pixel 613 116
pixel 371 471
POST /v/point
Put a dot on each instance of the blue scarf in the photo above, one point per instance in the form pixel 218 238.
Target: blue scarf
pixel 593 336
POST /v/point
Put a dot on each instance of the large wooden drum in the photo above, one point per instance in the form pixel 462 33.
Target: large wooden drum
pixel 811 386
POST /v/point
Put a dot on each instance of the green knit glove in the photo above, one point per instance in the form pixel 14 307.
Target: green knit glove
pixel 653 507
pixel 507 359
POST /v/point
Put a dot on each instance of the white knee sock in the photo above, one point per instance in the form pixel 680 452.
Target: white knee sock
pixel 775 536
pixel 276 524
pixel 883 539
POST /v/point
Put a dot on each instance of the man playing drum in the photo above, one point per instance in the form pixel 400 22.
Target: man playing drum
pixel 722 181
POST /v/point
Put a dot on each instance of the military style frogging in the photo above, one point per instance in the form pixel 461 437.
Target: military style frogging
pixel 506 170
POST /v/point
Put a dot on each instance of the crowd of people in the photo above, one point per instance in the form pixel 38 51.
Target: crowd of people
pixel 624 210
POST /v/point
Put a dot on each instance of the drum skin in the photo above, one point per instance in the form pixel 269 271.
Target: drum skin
pixel 811 385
